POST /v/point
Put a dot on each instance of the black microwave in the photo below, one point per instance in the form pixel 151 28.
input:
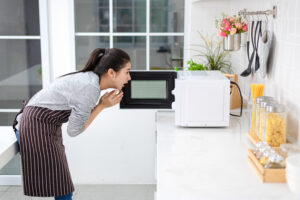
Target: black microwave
pixel 149 89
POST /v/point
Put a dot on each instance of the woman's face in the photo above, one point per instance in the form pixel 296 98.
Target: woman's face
pixel 122 76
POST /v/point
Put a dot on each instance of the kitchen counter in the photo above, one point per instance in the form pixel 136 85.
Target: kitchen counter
pixel 209 163
pixel 8 145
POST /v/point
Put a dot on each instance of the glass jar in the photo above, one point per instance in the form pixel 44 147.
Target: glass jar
pixel 275 124
pixel 257 112
pixel 267 156
pixel 261 110
pixel 274 161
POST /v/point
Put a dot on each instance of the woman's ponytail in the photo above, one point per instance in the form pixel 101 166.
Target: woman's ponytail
pixel 94 59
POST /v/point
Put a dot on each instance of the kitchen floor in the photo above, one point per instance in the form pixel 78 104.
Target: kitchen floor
pixel 90 192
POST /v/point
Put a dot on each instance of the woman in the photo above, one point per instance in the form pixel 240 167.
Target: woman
pixel 74 98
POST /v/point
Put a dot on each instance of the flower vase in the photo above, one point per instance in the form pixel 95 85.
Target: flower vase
pixel 232 42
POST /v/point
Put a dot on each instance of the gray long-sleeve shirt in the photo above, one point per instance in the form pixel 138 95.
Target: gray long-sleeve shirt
pixel 79 92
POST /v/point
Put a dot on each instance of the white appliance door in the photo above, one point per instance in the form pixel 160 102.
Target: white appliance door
pixel 205 102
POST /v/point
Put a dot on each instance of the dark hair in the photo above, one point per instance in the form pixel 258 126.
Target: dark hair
pixel 103 59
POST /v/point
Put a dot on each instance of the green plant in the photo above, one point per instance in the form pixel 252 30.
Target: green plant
pixel 195 66
pixel 212 54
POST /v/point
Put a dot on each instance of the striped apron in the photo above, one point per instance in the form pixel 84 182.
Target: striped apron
pixel 44 164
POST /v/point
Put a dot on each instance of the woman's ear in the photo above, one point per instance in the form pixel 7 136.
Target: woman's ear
pixel 111 73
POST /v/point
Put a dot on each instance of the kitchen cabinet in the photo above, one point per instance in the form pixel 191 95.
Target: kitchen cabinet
pixel 117 148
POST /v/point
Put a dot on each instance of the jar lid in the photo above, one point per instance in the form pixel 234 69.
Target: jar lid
pixel 278 108
pixel 262 98
pixel 267 101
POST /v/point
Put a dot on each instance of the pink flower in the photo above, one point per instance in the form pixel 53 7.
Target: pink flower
pixel 233 31
pixel 227 26
pixel 238 25
pixel 231 25
pixel 221 33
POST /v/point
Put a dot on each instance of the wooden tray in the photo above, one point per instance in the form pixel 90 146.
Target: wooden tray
pixel 253 138
pixel 266 175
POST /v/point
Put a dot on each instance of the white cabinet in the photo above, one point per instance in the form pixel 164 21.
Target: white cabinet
pixel 117 148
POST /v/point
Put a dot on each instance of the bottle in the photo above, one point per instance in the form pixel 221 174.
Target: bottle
pixel 275 124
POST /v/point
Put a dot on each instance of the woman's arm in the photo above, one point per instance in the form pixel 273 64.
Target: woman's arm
pixel 93 115
pixel 107 100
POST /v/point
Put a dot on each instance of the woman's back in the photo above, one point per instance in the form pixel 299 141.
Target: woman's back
pixel 79 92
pixel 66 90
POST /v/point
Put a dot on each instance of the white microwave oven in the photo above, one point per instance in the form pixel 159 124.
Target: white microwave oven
pixel 202 99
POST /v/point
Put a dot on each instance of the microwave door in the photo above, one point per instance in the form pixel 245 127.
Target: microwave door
pixel 149 89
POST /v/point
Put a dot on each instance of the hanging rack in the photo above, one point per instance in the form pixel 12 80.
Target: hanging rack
pixel 273 12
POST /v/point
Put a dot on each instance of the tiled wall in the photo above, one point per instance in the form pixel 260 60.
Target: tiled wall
pixel 283 80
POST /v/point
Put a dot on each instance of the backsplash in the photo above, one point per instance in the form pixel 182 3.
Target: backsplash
pixel 283 79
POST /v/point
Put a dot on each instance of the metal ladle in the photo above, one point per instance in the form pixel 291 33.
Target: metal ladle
pixel 265 33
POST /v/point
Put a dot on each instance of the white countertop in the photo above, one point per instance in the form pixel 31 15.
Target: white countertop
pixel 8 145
pixel 209 163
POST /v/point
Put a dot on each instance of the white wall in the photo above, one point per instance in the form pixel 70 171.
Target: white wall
pixel 283 82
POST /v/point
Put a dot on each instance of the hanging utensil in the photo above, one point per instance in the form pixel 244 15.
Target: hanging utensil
pixel 247 72
pixel 264 48
pixel 264 36
pixel 257 36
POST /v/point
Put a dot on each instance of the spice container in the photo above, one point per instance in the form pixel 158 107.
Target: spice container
pixel 275 124
pixel 261 126
pixel 267 156
pixel 268 163
pixel 257 112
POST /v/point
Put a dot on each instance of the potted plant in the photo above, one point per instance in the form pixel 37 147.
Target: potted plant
pixel 230 28
pixel 215 58
pixel 193 66
pixel 212 55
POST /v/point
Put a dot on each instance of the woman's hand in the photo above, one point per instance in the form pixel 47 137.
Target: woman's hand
pixel 111 98
pixel 107 100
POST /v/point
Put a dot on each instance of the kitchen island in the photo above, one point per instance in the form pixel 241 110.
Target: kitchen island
pixel 209 163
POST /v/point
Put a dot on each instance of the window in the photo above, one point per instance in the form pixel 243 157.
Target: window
pixel 20 55
pixel 23 49
pixel 150 31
